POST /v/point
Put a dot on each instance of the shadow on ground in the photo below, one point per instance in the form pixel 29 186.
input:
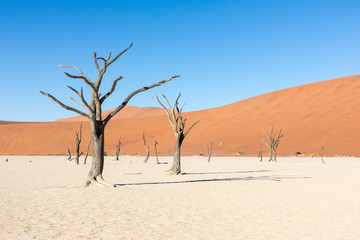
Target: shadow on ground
pixel 257 171
pixel 250 178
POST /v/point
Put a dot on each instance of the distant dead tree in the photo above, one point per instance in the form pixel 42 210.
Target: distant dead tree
pixel 208 150
pixel 156 153
pixel 117 149
pixel 178 124
pixel 78 136
pixel 274 139
pixel 94 115
pixel 146 148
pixel 260 155
pixel 322 152
pixel 87 153
pixel 69 158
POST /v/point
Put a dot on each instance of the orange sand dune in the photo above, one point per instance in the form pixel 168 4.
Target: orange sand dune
pixel 327 110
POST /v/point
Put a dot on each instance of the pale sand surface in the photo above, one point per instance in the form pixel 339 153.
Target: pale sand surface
pixel 229 198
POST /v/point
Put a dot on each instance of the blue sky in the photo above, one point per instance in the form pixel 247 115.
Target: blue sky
pixel 226 51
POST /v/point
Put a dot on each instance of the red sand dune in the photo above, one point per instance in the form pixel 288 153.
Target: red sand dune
pixel 327 110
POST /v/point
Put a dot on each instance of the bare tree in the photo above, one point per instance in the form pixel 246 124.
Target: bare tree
pixel 146 148
pixel 260 155
pixel 77 146
pixel 208 150
pixel 78 135
pixel 156 153
pixel 178 124
pixel 94 115
pixel 322 152
pixel 117 149
pixel 87 153
pixel 274 139
pixel 69 158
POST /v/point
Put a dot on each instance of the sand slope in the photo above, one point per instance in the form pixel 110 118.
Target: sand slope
pixel 327 110
pixel 230 198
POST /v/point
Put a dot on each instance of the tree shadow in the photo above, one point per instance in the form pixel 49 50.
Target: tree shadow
pixel 250 178
pixel 206 173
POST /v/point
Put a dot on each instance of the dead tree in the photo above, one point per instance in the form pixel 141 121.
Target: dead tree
pixel 322 152
pixel 69 158
pixel 208 150
pixel 178 124
pixel 274 139
pixel 117 149
pixel 146 148
pixel 156 153
pixel 87 153
pixel 260 155
pixel 78 135
pixel 94 115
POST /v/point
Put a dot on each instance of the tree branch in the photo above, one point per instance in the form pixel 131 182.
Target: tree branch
pixel 65 106
pixel 81 95
pixel 191 128
pixel 117 56
pixel 86 80
pixel 111 90
pixel 116 110
pixel 96 63
pixel 77 102
pixel 163 106
pixel 264 142
pixel 107 59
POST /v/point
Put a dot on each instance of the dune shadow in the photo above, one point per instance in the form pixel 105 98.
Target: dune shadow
pixel 250 178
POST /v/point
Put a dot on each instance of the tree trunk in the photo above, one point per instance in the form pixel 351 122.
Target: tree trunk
pixel 69 158
pixel 322 152
pixel 260 155
pixel 87 153
pixel 176 166
pixel 208 150
pixel 156 154
pixel 97 165
pixel 275 155
pixel 117 153
pixel 77 156
pixel 146 148
pixel 271 154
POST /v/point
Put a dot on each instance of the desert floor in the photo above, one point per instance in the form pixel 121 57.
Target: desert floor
pixel 228 198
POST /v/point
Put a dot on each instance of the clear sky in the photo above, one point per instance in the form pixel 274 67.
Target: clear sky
pixel 226 51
